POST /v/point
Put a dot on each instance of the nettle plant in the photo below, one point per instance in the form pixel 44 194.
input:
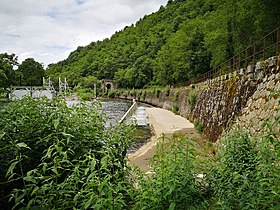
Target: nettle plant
pixel 247 174
pixel 173 183
pixel 61 157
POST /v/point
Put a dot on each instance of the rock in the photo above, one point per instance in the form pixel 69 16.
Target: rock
pixel 265 78
pixel 256 126
pixel 277 86
pixel 255 95
pixel 272 77
pixel 277 77
pixel 270 85
pixel 260 75
pixel 272 61
pixel 259 66
pixel 241 71
pixel 250 68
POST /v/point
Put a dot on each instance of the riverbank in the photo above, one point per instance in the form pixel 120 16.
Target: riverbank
pixel 162 122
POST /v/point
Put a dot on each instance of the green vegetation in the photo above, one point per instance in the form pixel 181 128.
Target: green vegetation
pixel 175 108
pixel 28 73
pixel 158 91
pixel 182 40
pixel 173 183
pixel 85 94
pixel 56 157
pixel 167 90
pixel 247 172
pixel 7 74
pixel 199 126
pixel 31 73
pixel 176 96
pixel 191 99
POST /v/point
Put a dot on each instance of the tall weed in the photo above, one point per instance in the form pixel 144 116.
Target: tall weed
pixel 173 183
pixel 247 173
pixel 61 157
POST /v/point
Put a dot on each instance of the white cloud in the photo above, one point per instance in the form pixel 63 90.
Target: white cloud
pixel 48 30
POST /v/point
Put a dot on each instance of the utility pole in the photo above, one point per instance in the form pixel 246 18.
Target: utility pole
pixel 94 90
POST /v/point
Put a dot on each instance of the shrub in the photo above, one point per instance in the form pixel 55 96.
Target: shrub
pixel 112 94
pixel 59 157
pixel 247 172
pixel 175 108
pixel 191 99
pixel 167 90
pixel 199 126
pixel 143 95
pixel 133 92
pixel 173 184
pixel 85 94
pixel 158 91
pixel 176 95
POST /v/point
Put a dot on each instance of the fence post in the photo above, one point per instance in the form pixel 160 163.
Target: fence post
pixel 263 48
pixel 254 55
pixel 246 55
pixel 239 60
pixel 278 40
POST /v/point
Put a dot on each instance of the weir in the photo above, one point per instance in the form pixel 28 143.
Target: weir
pixel 136 113
pixel 18 92
pixel 47 90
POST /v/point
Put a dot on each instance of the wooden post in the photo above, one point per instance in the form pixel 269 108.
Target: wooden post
pixel 278 41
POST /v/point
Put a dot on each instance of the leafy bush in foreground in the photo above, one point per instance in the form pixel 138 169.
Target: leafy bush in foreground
pixel 247 174
pixel 62 157
pixel 173 183
pixel 56 157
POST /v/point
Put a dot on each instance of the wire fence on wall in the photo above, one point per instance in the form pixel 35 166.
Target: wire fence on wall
pixel 264 48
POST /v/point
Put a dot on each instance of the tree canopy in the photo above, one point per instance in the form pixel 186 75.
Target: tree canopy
pixel 32 72
pixel 181 40
pixel 7 73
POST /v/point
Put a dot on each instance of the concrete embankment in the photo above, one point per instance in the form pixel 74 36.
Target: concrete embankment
pixel 161 121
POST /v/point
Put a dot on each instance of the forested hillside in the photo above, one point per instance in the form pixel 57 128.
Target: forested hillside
pixel 180 41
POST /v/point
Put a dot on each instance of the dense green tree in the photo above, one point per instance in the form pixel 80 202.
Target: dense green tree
pixel 181 40
pixel 88 82
pixel 32 72
pixel 8 75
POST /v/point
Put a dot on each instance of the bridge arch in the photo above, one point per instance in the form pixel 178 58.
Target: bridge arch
pixel 107 85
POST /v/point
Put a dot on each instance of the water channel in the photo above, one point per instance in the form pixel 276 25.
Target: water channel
pixel 113 109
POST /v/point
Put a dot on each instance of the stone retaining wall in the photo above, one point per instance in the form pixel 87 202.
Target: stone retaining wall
pixel 244 97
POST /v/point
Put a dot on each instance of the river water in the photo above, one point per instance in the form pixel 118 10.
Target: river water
pixel 113 109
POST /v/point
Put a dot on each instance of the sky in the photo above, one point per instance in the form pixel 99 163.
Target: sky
pixel 48 30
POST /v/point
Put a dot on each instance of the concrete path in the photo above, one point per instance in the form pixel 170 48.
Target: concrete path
pixel 161 121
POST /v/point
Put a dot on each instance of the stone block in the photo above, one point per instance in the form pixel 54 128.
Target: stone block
pixel 277 86
pixel 250 68
pixel 241 71
pixel 272 61
pixel 259 66
pixel 270 85
pixel 226 77
pixel 277 77
pixel 265 78
pixel 250 76
pixel 272 77
pixel 261 86
pixel 260 75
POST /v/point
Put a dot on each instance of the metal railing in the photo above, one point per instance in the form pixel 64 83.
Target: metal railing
pixel 263 49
